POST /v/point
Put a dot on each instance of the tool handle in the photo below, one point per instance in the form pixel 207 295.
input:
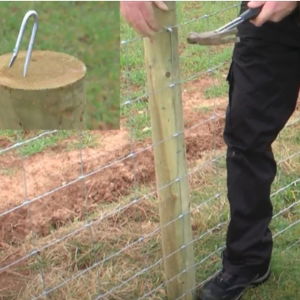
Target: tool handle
pixel 250 13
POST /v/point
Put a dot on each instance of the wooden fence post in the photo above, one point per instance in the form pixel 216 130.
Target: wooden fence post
pixel 162 64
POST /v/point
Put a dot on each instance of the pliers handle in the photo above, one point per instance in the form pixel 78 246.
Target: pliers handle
pixel 224 34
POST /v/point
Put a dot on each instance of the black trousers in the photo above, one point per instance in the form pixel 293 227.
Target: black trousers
pixel 264 81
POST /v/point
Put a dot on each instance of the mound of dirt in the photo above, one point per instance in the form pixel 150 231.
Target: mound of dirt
pixel 113 173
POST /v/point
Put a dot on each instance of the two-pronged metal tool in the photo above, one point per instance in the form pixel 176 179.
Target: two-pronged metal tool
pixel 224 34
pixel 30 13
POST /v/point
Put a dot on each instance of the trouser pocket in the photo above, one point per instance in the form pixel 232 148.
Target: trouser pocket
pixel 230 81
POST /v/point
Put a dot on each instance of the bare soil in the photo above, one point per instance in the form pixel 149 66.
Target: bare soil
pixel 114 175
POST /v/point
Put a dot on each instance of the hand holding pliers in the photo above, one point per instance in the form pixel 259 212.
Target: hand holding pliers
pixel 224 34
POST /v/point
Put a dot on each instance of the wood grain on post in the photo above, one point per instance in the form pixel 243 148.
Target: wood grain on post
pixel 51 96
pixel 162 63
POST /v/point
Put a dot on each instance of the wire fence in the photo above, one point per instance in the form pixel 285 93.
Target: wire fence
pixel 112 249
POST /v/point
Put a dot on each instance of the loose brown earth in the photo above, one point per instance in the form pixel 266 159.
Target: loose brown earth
pixel 57 166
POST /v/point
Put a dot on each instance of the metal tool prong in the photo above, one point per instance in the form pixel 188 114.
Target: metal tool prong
pixel 12 60
pixel 30 13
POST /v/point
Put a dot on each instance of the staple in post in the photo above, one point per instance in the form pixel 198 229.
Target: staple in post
pixel 51 96
pixel 30 13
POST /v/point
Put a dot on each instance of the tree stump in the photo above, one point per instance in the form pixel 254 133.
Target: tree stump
pixel 51 96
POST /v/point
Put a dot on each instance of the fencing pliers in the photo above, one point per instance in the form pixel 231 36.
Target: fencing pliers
pixel 224 34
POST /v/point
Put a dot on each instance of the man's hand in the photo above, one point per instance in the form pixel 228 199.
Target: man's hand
pixel 273 11
pixel 140 15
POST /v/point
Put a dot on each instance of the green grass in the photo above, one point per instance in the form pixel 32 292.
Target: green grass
pixel 284 282
pixel 79 140
pixel 138 120
pixel 84 139
pixel 43 143
pixel 217 90
pixel 86 30
pixel 109 237
pixel 193 59
pixel 112 235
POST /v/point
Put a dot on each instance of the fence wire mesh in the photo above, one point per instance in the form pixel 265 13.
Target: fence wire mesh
pixel 79 210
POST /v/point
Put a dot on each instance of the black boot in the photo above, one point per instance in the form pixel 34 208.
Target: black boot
pixel 226 286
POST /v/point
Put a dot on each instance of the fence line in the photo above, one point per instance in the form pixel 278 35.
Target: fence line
pixel 19 144
pixel 133 202
pixel 211 230
pixel 173 84
pixel 143 238
pixel 34 252
pixel 101 168
pixel 117 161
pixel 293 245
pixel 45 133
pixel 136 201
pixel 204 259
pixel 223 247
pixel 205 16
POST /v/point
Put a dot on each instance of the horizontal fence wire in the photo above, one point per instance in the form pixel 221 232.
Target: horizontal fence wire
pixel 193 20
pixel 141 239
pixel 219 250
pixel 207 257
pixel 135 201
pixel 214 117
pixel 105 216
pixel 28 141
pixel 101 168
pixel 173 84
pixel 211 230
